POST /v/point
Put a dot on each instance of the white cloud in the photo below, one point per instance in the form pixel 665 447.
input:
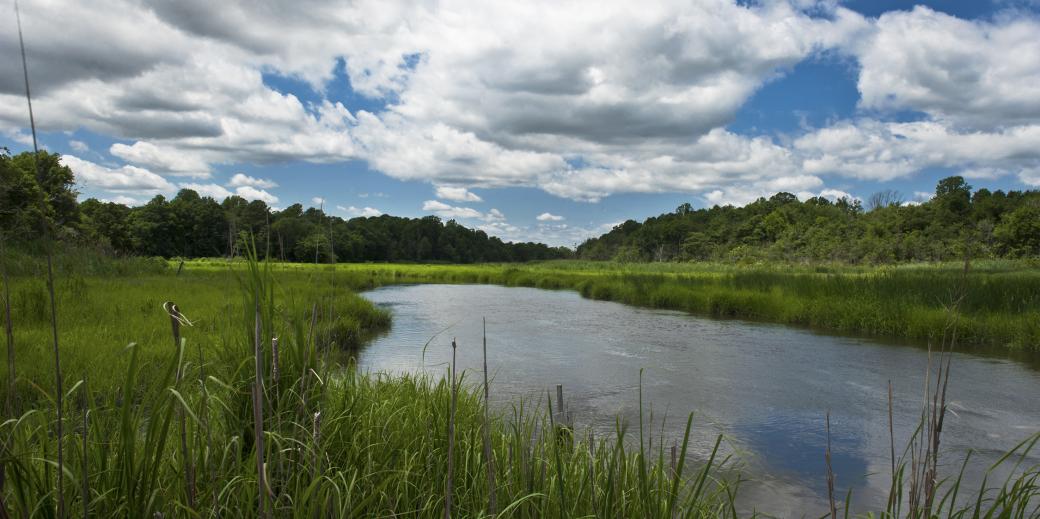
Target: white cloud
pixel 217 191
pixel 125 179
pixel 241 179
pixel 363 211
pixel 494 215
pixel 874 150
pixel 162 158
pixel 124 200
pixel 79 146
pixel 318 201
pixel 252 193
pixel 1030 176
pixel 457 194
pixel 549 217
pixel 978 74
pixel 625 92
pixel 582 100
pixel 446 211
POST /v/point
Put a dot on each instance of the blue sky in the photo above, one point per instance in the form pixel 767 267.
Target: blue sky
pixel 532 121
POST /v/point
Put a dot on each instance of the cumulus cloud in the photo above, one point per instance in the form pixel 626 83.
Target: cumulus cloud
pixel 446 211
pixel 874 150
pixel 162 159
pixel 241 179
pixel 549 217
pixel 125 179
pixel 494 215
pixel 457 194
pixel 120 199
pixel 978 74
pixel 216 191
pixel 79 146
pixel 318 201
pixel 582 100
pixel 363 211
pixel 622 91
pixel 252 193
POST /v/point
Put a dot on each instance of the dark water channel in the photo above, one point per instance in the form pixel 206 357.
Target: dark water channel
pixel 765 387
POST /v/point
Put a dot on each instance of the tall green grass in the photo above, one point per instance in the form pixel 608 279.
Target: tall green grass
pixel 1001 310
pixel 335 442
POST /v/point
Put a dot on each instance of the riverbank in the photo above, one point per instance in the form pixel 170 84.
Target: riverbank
pixel 999 310
pixel 156 428
pixel 178 429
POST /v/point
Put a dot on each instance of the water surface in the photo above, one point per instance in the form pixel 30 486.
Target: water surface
pixel 766 387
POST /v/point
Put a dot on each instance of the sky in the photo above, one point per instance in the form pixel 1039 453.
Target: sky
pixel 532 120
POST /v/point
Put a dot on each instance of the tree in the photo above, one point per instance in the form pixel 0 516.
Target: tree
pixel 886 198
pixel 36 196
pixel 1019 233
pixel 954 195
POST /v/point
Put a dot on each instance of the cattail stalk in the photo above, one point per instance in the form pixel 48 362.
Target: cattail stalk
pixel 488 453
pixel 189 470
pixel 830 472
pixel 449 485
pixel 258 418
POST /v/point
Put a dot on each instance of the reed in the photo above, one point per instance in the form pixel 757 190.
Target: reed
pixel 339 442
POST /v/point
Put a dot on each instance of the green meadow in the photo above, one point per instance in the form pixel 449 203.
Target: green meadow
pixel 223 422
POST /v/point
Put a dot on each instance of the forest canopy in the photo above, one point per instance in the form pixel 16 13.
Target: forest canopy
pixel 888 230
pixel 40 196
pixel 193 226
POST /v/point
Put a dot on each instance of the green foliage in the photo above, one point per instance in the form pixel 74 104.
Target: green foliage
pixel 36 197
pixel 193 226
pixel 782 229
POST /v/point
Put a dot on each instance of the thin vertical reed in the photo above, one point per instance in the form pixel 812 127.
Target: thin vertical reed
pixel 50 278
pixel 8 330
pixel 176 319
pixel 258 417
pixel 488 454
pixel 830 471
pixel 449 486
pixel 85 476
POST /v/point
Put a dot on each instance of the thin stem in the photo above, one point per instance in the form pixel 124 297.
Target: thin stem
pixel 488 454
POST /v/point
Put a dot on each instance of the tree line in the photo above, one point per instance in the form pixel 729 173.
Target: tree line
pixel 38 196
pixel 782 228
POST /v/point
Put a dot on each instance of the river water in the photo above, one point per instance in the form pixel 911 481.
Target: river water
pixel 765 387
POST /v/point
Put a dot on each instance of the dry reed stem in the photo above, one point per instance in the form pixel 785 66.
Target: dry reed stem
pixel 449 485
pixel 50 277
pixel 488 453
pixel 176 320
pixel 258 417
pixel 830 471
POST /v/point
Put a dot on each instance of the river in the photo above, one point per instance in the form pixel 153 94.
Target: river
pixel 765 387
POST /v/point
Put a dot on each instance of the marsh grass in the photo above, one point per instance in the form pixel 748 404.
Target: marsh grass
pixel 1001 309
pixel 330 440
